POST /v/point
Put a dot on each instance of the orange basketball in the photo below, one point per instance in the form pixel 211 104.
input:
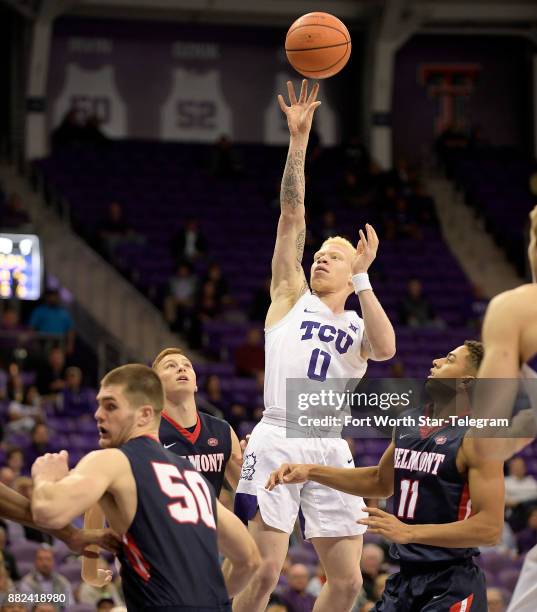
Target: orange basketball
pixel 318 45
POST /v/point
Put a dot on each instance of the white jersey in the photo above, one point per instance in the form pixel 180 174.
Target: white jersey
pixel 310 343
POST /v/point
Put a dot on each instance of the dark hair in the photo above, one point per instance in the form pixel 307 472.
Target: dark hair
pixel 141 385
pixel 476 352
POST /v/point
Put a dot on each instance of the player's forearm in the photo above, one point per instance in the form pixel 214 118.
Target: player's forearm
pixel 93 519
pixel 365 482
pixel 51 507
pixel 378 328
pixel 478 530
pixel 237 576
pixel 293 185
pixel 16 507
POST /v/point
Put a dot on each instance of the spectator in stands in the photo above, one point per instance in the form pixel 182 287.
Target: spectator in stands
pixel 24 415
pixel 213 393
pixel 70 131
pixel 54 318
pixel 14 217
pixel 43 579
pixel 7 476
pixel 355 155
pixel 92 595
pixel 10 562
pixel 422 206
pixel 275 605
pixel 115 231
pixel 51 375
pixel 250 355
pixel 15 461
pixel 7 587
pixel 351 191
pixel 44 607
pixel 237 414
pixel 379 586
pixel 415 310
pixel 520 493
pixel 225 162
pixel 294 595
pixel 40 444
pixel 260 302
pixel 15 384
pixel 180 299
pixel 188 243
pixel 527 538
pixel 208 306
pixel 495 601
pixel 371 564
pixel 14 335
pixel 400 222
pixel 105 604
pixel 92 130
pixel 473 314
pixel 397 369
pixel 215 275
pixel 316 583
pixel 76 400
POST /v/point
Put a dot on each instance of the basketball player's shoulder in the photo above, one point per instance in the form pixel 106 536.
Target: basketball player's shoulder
pixel 516 300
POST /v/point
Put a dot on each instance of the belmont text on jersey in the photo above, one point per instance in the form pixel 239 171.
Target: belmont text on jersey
pixel 414 460
pixel 207 463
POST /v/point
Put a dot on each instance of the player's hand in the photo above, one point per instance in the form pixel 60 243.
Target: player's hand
pixel 387 525
pixel 244 443
pixel 51 466
pixel 533 219
pixel 366 250
pixel 288 473
pixel 300 113
pixel 104 577
pixel 79 539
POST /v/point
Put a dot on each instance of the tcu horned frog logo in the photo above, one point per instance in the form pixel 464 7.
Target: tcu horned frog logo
pixel 248 466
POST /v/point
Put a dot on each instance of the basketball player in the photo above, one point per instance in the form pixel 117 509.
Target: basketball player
pixel 448 499
pixel 510 339
pixel 16 507
pixel 208 442
pixel 309 335
pixel 164 509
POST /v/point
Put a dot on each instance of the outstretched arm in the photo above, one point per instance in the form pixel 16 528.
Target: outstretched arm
pixel 372 482
pixel 378 342
pixel 288 281
pixel 16 507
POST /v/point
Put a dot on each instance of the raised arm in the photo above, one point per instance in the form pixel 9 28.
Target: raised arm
pixel 372 482
pixel 288 281
pixel 239 548
pixel 379 336
pixel 60 495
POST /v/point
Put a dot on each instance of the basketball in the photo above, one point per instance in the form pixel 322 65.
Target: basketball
pixel 318 45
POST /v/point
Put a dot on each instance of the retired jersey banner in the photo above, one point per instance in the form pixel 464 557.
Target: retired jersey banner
pixel 186 83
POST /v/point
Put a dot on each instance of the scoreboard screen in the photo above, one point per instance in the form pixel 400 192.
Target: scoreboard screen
pixel 21 266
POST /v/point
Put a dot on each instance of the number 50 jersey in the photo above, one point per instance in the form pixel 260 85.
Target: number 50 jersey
pixel 169 559
pixel 310 342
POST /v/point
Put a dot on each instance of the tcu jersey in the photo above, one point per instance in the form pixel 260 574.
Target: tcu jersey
pixel 207 445
pixel 428 488
pixel 310 342
pixel 169 559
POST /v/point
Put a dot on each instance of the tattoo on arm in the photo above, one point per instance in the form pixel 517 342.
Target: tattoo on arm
pixel 300 239
pixel 293 182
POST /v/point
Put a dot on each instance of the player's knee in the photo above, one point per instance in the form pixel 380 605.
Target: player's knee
pixel 268 574
pixel 348 586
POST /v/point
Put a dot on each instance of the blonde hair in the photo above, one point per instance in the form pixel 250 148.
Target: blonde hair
pixel 340 241
pixel 164 353
pixel 141 385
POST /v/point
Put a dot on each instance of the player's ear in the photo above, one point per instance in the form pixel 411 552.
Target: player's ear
pixel 196 389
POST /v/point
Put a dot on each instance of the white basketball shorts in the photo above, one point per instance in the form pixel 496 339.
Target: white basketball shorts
pixel 326 512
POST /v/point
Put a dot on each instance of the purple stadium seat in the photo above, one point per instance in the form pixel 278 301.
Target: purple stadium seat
pixel 508 578
pixel 303 554
pixel 494 562
pixel 71 571
pixel 24 550
pixel 24 567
